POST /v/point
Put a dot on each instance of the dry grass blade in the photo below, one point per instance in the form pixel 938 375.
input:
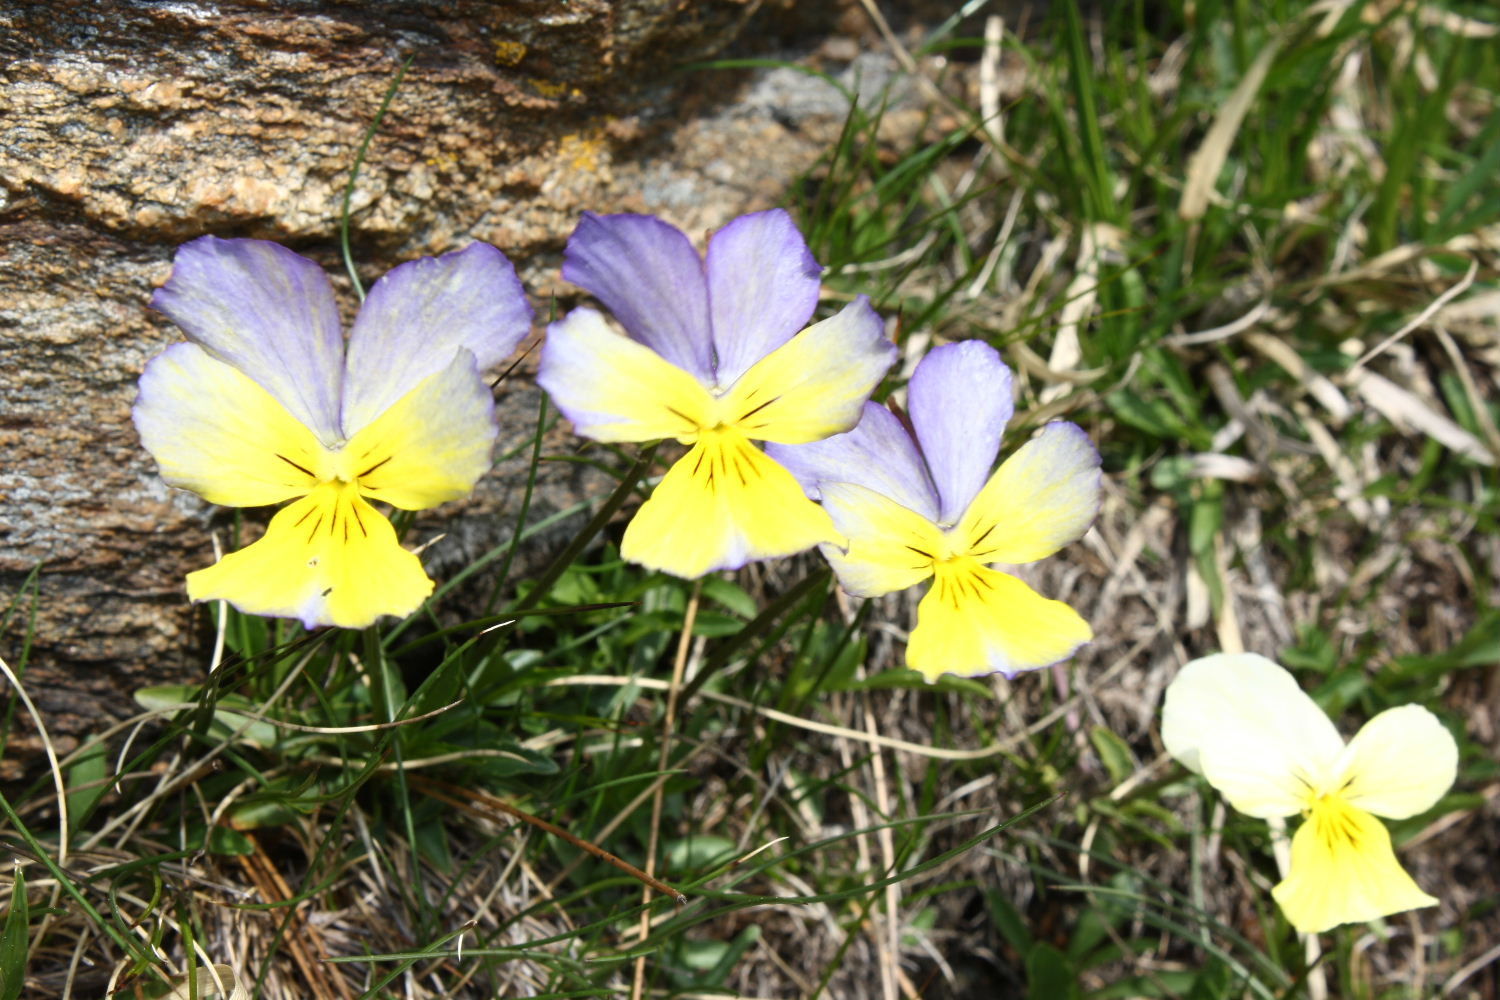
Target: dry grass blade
pixel 1206 163
pixel 1431 310
pixel 214 981
pixel 669 720
pixel 1407 411
pixel 303 939
pixel 51 751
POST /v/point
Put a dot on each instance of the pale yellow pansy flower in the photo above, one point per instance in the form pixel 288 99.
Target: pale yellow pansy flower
pixel 1242 722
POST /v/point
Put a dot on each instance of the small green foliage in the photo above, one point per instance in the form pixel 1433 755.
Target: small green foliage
pixel 1049 974
pixel 15 939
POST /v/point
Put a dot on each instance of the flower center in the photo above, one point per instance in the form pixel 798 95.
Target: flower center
pixel 346 467
pixel 1335 822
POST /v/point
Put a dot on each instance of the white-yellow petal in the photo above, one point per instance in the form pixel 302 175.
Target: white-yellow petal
pixel 890 547
pixel 815 385
pixel 1399 764
pixel 1244 724
pixel 214 431
pixel 431 445
pixel 616 389
pixel 1040 499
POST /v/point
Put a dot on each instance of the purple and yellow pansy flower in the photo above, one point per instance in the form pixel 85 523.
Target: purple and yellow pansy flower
pixel 918 500
pixel 1243 722
pixel 266 403
pixel 716 356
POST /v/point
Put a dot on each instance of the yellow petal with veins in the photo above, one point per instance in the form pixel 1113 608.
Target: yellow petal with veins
pixel 723 504
pixel 1344 871
pixel 328 559
pixel 1040 499
pixel 815 385
pixel 617 389
pixel 431 445
pixel 890 547
pixel 214 431
pixel 976 620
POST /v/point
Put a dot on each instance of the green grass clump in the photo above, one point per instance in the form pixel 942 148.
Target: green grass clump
pixel 1227 284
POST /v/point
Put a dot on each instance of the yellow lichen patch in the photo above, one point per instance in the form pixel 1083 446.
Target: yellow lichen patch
pixel 583 153
pixel 547 88
pixel 509 53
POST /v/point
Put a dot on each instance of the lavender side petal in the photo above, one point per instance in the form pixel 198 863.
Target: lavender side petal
pixel 762 289
pixel 960 401
pixel 418 314
pixel 877 454
pixel 649 275
pixel 270 313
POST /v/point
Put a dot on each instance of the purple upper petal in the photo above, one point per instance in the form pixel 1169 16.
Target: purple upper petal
pixel 762 289
pixel 268 312
pixel 877 454
pixel 960 401
pixel 419 314
pixel 649 275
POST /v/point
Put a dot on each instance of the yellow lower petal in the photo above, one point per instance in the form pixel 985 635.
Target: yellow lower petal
pixel 328 559
pixel 723 504
pixel 1344 871
pixel 976 620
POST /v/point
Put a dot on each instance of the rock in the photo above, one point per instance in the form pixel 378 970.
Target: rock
pixel 131 128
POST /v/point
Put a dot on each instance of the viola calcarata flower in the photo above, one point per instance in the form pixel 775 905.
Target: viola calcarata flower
pixel 715 355
pixel 917 501
pixel 265 403
pixel 1242 722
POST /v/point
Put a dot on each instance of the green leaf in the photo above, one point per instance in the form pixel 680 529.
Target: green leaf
pixel 15 940
pixel 1212 982
pixel 225 723
pixel 1008 921
pixel 1050 975
pixel 1172 472
pixel 1480 647
pixel 258 814
pixel 224 840
pixel 516 760
pixel 697 853
pixel 87 780
pixel 701 956
pixel 1154 416
pixel 1114 752
pixel 733 597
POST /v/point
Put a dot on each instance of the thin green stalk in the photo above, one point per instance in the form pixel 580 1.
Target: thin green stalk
pixel 565 558
pixel 503 573
pixel 359 161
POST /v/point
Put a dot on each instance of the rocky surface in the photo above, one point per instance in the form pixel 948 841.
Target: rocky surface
pixel 128 128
